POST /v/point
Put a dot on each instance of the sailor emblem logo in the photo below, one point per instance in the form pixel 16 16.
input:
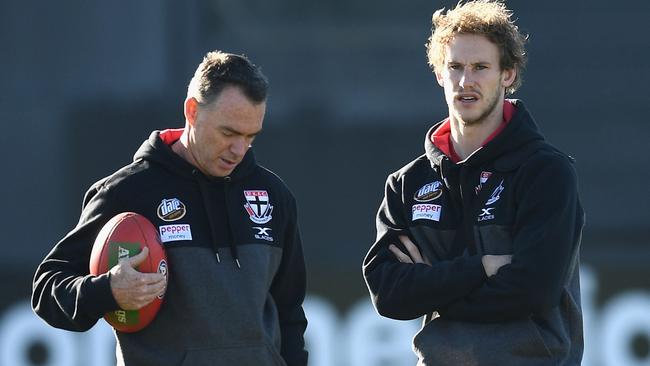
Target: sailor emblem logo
pixel 428 192
pixel 496 194
pixel 171 209
pixel 258 207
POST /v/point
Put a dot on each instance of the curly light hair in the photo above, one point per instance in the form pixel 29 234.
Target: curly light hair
pixel 489 18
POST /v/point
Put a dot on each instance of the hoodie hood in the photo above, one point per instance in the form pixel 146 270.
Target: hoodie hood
pixel 519 132
pixel 157 149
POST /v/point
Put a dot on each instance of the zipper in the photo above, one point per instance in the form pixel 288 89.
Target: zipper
pixel 467 205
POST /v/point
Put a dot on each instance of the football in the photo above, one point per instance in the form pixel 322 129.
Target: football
pixel 124 236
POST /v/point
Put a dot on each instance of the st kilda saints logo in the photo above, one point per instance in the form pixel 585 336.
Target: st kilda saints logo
pixel 484 178
pixel 258 207
pixel 171 209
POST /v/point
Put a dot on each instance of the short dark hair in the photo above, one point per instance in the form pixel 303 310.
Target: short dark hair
pixel 219 69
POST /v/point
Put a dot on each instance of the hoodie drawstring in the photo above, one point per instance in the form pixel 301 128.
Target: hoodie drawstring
pixel 213 229
pixel 233 246
pixel 213 236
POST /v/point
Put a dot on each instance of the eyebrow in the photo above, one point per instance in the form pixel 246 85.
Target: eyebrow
pixel 471 64
pixel 232 130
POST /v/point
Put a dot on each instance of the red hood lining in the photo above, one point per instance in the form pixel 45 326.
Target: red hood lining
pixel 171 135
pixel 441 137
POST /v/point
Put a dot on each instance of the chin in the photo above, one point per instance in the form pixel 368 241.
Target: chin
pixel 221 174
pixel 472 121
pixel 469 119
pixel 216 173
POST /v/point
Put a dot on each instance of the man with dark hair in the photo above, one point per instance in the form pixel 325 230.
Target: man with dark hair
pixel 237 274
pixel 481 234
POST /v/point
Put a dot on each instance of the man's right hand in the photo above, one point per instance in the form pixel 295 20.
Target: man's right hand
pixel 131 289
pixel 492 263
pixel 413 256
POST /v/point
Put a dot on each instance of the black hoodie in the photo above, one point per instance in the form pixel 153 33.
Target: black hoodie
pixel 516 195
pixel 236 272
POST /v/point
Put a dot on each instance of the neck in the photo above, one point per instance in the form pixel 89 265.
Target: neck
pixel 182 148
pixel 469 137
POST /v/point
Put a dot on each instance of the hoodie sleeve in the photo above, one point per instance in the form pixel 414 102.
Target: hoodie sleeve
pixel 64 294
pixel 546 241
pixel 408 291
pixel 288 291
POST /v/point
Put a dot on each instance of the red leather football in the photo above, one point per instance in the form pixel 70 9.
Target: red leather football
pixel 124 236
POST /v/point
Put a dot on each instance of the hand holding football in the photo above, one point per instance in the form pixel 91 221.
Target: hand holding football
pixel 129 247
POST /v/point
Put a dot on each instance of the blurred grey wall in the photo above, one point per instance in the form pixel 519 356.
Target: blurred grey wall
pixel 83 83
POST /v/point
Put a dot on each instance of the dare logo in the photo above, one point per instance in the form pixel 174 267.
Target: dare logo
pixel 171 209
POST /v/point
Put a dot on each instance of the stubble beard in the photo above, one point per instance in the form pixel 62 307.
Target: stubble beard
pixel 491 107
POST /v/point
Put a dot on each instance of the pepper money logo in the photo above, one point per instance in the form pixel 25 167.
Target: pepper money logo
pixel 171 209
pixel 428 192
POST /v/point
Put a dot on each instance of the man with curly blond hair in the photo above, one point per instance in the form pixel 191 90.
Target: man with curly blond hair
pixel 480 235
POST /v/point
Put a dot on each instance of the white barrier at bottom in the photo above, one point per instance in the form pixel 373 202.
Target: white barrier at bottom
pixel 359 337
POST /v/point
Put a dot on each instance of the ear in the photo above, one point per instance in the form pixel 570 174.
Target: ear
pixel 509 76
pixel 191 109
pixel 439 78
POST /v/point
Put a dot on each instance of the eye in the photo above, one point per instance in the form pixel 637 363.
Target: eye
pixel 481 67
pixel 455 66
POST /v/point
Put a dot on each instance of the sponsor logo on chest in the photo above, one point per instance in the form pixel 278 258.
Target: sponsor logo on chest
pixel 428 192
pixel 482 180
pixel 262 233
pixel 258 206
pixel 426 211
pixel 171 209
pixel 176 232
pixel 496 194
pixel 487 213
pixel 484 177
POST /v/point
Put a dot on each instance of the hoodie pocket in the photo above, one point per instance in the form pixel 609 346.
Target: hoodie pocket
pixel 536 345
pixel 246 354
pixel 460 343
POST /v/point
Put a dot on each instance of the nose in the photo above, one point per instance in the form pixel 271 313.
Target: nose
pixel 466 78
pixel 239 146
